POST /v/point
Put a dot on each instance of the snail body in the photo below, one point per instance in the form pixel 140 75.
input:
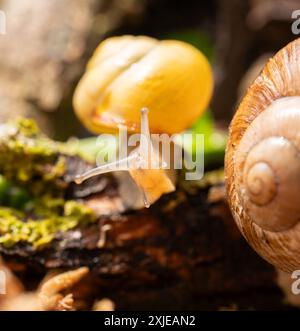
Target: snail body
pixel 128 75
pixel 262 162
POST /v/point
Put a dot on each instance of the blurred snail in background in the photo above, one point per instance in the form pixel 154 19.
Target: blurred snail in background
pixel 129 75
pixel 262 162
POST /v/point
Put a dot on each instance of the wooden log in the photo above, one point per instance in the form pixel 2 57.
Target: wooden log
pixel 184 252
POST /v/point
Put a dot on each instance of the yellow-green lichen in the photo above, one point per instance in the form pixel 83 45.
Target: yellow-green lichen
pixel 209 178
pixel 51 217
pixel 28 154
pixel 34 165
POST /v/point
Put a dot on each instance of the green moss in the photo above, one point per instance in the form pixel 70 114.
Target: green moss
pixel 27 154
pixel 33 210
pixel 210 178
pixel 51 217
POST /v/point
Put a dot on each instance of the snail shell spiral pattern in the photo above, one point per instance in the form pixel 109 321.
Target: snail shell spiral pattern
pixel 262 163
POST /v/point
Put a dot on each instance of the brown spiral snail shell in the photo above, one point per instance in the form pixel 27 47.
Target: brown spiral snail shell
pixel 262 162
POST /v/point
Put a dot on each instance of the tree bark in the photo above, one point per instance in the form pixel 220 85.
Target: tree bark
pixel 185 252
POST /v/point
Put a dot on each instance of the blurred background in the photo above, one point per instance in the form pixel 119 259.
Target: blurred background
pixel 44 53
pixel 48 43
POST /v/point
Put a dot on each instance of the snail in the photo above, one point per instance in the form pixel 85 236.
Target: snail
pixel 262 161
pixel 129 77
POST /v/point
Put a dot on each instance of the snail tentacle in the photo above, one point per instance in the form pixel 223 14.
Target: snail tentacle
pixel 153 182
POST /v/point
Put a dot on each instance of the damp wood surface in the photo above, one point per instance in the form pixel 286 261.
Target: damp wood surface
pixel 184 252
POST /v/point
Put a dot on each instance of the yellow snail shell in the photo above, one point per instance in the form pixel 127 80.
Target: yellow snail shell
pixel 262 162
pixel 125 74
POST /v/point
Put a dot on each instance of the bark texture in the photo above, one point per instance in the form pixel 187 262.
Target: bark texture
pixel 185 252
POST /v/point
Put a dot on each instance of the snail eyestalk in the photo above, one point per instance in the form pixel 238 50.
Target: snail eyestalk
pixel 144 165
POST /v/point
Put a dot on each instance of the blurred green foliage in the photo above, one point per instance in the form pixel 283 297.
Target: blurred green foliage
pixel 11 195
pixel 198 39
pixel 214 140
